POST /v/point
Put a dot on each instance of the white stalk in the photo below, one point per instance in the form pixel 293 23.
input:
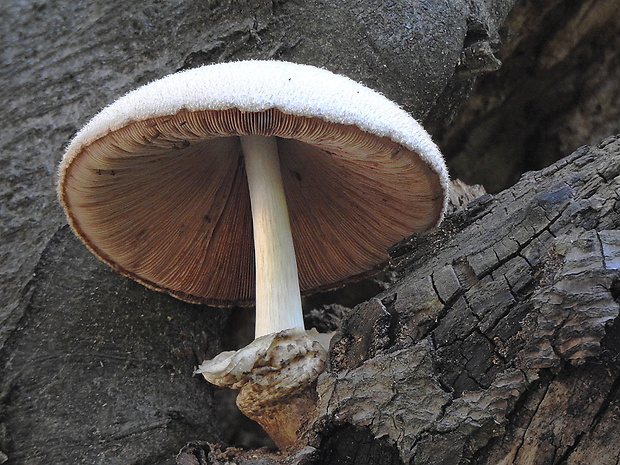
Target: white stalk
pixel 278 300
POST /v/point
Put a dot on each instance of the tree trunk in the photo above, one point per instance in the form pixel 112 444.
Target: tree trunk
pixel 499 342
pixel 94 368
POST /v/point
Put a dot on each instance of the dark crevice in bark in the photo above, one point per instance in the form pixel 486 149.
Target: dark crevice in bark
pixel 350 445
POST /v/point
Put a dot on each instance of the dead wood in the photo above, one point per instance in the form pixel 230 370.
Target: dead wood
pixel 498 344
pixel 558 88
pixel 96 369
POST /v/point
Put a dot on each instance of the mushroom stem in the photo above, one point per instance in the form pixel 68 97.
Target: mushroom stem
pixel 278 300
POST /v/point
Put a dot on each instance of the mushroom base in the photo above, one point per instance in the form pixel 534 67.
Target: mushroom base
pixel 276 375
pixel 283 421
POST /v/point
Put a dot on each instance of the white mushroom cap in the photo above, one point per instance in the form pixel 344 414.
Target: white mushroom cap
pixel 154 185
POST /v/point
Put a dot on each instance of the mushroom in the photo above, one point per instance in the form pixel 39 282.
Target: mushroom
pixel 155 186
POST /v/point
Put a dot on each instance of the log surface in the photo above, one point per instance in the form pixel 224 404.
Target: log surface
pixel 506 313
pixel 499 344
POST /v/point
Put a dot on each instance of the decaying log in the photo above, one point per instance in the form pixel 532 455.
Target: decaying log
pixel 504 318
pixel 90 363
pixel 487 337
pixel 498 344
pixel 557 88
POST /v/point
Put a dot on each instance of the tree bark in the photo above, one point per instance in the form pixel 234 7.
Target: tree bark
pixel 96 369
pixel 498 344
pixel 558 88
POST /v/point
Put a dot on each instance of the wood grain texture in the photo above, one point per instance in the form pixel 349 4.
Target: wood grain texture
pixel 557 89
pixel 499 343
pixel 63 314
pixel 501 330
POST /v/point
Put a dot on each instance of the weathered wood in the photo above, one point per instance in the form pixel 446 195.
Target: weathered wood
pixel 557 89
pixel 87 377
pixel 499 343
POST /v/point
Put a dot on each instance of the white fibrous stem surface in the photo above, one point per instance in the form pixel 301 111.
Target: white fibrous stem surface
pixel 278 299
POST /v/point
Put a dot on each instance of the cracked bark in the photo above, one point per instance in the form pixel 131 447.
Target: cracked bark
pixel 499 343
pixel 96 369
pixel 511 305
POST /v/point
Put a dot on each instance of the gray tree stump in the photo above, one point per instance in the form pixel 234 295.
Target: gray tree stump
pixel 95 369
pixel 498 344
